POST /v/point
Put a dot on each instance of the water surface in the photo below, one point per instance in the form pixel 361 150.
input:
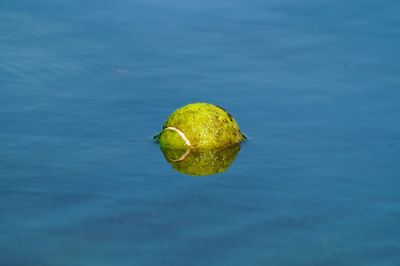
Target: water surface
pixel 85 86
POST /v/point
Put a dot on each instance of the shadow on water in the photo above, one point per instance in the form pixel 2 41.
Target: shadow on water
pixel 201 163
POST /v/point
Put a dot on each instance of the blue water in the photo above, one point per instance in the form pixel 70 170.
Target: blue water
pixel 84 85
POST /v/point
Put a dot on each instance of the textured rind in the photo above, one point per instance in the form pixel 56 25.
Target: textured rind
pixel 206 126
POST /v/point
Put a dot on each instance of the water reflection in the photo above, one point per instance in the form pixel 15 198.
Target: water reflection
pixel 201 163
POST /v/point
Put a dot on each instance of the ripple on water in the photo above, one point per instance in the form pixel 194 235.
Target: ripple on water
pixel 32 53
pixel 23 66
pixel 24 26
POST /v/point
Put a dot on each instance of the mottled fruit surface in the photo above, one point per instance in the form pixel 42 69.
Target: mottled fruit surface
pixel 200 126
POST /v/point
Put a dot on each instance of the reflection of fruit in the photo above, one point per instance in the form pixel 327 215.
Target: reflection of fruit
pixel 200 126
pixel 200 163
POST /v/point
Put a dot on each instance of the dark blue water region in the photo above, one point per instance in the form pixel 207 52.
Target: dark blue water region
pixel 85 85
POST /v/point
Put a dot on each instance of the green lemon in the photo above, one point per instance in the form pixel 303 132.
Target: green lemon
pixel 199 126
pixel 201 163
